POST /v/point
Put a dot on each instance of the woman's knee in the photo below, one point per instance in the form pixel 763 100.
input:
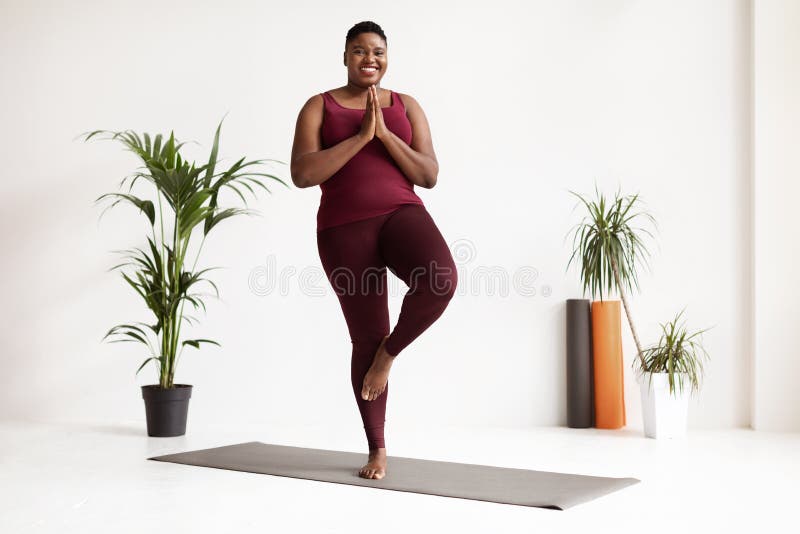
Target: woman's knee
pixel 447 283
pixel 437 279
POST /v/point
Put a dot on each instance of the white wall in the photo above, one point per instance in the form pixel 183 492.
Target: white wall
pixel 777 189
pixel 525 100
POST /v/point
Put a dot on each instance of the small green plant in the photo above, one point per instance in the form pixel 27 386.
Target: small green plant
pixel 610 248
pixel 161 278
pixel 676 352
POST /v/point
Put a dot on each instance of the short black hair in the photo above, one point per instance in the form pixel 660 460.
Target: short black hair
pixel 365 26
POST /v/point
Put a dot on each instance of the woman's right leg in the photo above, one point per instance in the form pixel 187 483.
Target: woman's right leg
pixel 354 267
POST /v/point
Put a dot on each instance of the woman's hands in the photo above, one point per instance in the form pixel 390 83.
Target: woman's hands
pixel 372 125
pixel 368 122
pixel 380 126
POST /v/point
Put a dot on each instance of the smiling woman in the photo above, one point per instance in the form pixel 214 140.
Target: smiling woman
pixel 367 147
pixel 360 48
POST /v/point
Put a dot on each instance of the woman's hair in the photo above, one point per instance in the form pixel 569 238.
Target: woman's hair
pixel 365 26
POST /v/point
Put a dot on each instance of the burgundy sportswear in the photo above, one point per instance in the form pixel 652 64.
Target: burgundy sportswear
pixel 370 183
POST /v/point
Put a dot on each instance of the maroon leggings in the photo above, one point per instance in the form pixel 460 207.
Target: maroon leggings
pixel 355 257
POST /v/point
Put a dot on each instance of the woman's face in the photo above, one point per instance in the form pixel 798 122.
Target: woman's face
pixel 366 59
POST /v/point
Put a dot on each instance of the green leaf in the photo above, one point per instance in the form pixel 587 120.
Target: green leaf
pixel 145 363
pixel 145 206
pixel 196 342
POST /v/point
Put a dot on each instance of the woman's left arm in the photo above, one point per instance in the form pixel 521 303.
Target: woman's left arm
pixel 418 160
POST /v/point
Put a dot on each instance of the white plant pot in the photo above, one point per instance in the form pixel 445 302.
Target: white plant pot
pixel 664 413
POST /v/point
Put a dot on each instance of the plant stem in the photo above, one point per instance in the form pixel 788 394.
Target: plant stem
pixel 163 318
pixel 627 311
pixel 184 302
pixel 178 319
pixel 173 311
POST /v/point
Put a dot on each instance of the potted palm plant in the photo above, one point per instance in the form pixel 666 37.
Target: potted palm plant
pixel 610 249
pixel 667 369
pixel 161 275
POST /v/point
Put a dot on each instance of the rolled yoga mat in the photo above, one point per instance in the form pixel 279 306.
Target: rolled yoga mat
pixel 580 387
pixel 609 391
pixel 449 479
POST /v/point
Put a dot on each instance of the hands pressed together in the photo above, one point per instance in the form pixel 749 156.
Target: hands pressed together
pixel 372 124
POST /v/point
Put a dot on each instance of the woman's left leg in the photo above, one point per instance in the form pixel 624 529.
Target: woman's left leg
pixel 414 250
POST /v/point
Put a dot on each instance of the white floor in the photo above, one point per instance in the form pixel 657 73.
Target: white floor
pixel 94 477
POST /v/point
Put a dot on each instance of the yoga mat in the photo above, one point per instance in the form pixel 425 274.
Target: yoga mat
pixel 609 393
pixel 449 479
pixel 580 390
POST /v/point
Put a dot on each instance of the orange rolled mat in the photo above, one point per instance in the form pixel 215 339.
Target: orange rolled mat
pixel 609 391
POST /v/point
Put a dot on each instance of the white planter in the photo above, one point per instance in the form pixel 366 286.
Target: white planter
pixel 664 413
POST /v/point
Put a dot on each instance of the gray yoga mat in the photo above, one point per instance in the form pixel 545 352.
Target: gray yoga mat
pixel 580 378
pixel 542 489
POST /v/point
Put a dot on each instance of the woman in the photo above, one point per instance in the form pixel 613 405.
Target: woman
pixel 367 147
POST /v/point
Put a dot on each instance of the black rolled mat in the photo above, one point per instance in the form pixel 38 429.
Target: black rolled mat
pixel 504 485
pixel 580 373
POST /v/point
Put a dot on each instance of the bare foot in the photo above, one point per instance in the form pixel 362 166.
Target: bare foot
pixel 378 374
pixel 376 466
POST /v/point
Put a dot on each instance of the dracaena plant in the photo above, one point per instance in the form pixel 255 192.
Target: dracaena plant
pixel 677 351
pixel 161 276
pixel 610 247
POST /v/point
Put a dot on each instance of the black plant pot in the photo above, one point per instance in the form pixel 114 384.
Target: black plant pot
pixel 166 409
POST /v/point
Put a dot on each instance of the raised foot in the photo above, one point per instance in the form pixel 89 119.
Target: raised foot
pixel 376 466
pixel 378 375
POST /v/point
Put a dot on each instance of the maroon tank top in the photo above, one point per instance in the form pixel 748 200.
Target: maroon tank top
pixel 371 183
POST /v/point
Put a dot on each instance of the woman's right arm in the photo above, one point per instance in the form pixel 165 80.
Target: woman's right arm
pixel 310 165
